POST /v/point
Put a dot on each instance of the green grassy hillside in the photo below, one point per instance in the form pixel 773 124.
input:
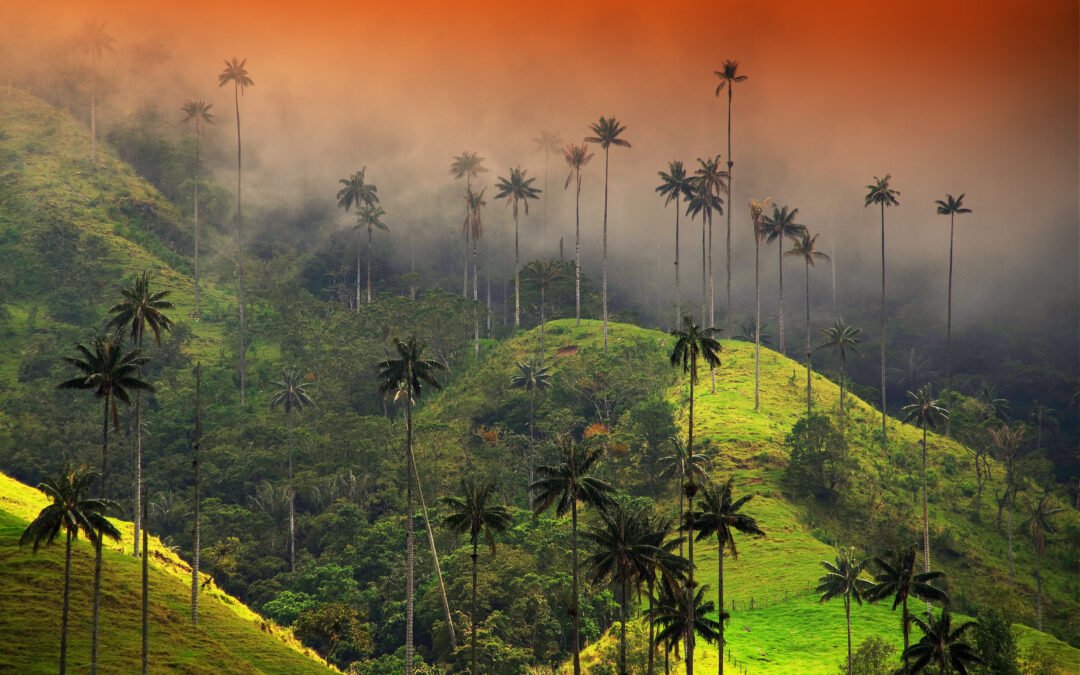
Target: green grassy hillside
pixel 230 638
pixel 788 631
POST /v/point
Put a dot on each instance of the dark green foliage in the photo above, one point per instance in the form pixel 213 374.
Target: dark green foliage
pixel 942 646
pixel 336 630
pixel 995 645
pixel 873 656
pixel 820 463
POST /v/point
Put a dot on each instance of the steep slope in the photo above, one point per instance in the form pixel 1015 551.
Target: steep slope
pixel 787 630
pixel 230 638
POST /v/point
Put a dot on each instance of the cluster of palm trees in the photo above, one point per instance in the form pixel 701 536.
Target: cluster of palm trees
pixel 357 192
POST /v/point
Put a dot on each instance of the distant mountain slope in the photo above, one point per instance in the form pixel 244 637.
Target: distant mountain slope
pixel 230 638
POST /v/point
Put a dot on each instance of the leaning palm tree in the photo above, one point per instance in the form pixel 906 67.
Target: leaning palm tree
pixel 950 206
pixel 757 211
pixel 96 42
pixel 473 513
pixel 357 192
pixel 842 338
pixel 682 620
pixel 606 133
pixel 543 273
pixel 624 548
pixel 675 185
pixel 291 396
pixel 729 76
pixel 547 142
pixel 925 412
pixel 564 485
pixel 370 218
pixel 842 580
pixel 718 514
pixel 517 190
pixel 110 372
pixel 881 194
pixel 577 156
pixel 467 165
pixel 72 511
pixel 199 113
pixel 532 380
pixel 941 648
pixel 139 310
pixel 712 180
pixel 774 228
pixel 236 72
pixel 405 377
pixel 1039 523
pixel 805 247
pixel 692 343
pixel 896 578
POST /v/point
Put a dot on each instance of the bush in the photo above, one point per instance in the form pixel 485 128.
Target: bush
pixel 820 463
pixel 995 644
pixel 873 656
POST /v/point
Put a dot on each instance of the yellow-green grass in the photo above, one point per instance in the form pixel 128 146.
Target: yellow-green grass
pixel 230 638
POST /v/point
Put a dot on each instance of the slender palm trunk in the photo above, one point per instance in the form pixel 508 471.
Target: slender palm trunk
pixel 843 364
pixel 925 516
pixel 678 293
pixel 542 321
pixel 292 498
pixel 577 252
pixel 487 284
pixel 884 441
pixel 757 318
pixel 532 446
pixel 473 617
pixel 1009 525
pixel 780 267
pixel 622 628
pixel 574 582
pixel 139 504
pixel 517 274
pixel 93 105
pixel 410 554
pixel 356 303
pixel 727 262
pixel 720 604
pixel 712 277
pixel 145 590
pixel 948 320
pixel 704 272
pixel 847 616
pixel 832 268
pixel 197 305
pixel 96 600
pixel 465 273
pixel 605 248
pixel 371 252
pixel 476 300
pixel 905 617
pixel 435 559
pixel 240 251
pixel 690 490
pixel 652 633
pixel 196 544
pixel 809 366
pixel 67 604
pixel 1038 589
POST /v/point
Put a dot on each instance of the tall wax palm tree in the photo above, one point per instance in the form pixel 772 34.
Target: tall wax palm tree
pixel 805 247
pixel 925 411
pixel 532 380
pixel 473 513
pixel 711 179
pixel 547 142
pixel 692 343
pixel 896 578
pixel 678 465
pixel 757 211
pixel 96 42
pixel 292 396
pixel 577 156
pixel 474 231
pixel 941 646
pixel 719 514
pixel 675 185
pixel 370 218
pixel 110 372
pixel 1009 445
pixel 842 580
pixel 139 310
pixel 198 112
pixel 841 338
pixel 357 192
pixel 196 532
pixel 729 76
pixel 467 165
pixel 881 194
pixel 624 548
pixel 702 202
pixel 1040 523
pixel 72 512
pixel 564 485
pixel 236 72
pixel 681 619
pixel 517 190
pixel 543 273
pixel 774 228
pixel 606 132
pixel 950 206
pixel 405 376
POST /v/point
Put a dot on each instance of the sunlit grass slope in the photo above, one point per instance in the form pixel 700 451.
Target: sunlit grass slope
pixel 789 631
pixel 230 637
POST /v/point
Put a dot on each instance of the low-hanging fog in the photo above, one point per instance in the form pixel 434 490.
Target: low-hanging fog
pixel 945 97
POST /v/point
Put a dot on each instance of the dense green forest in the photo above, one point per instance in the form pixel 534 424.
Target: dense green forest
pixel 369 403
